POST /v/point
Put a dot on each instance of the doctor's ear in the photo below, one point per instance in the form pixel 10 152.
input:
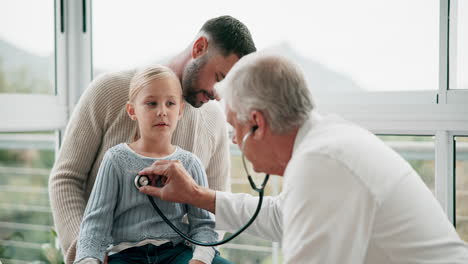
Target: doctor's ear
pixel 258 124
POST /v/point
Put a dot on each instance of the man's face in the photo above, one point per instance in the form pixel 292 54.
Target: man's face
pixel 201 74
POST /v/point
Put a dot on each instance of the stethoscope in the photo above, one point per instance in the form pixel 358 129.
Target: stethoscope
pixel 142 180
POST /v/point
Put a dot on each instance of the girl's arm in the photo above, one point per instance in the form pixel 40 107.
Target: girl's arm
pixel 95 230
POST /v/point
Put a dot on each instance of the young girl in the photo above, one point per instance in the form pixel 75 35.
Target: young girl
pixel 119 220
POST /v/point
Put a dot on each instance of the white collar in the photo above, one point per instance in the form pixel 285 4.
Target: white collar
pixel 313 120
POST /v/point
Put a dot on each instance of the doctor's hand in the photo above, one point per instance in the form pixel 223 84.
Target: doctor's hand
pixel 177 185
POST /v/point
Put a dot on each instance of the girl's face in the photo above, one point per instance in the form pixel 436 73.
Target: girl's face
pixel 157 107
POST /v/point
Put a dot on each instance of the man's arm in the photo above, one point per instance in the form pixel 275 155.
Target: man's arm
pixel 218 169
pixel 70 173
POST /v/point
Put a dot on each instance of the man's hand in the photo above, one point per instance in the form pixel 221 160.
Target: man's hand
pixel 178 185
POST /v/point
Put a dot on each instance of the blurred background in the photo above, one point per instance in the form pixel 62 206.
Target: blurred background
pixel 399 68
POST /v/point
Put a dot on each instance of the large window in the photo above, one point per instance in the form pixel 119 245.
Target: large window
pixel 27 48
pixel 379 46
pixel 461 189
pixel 419 152
pixel 394 67
pixel 246 248
pixel 459 48
pixel 25 216
pixel 32 109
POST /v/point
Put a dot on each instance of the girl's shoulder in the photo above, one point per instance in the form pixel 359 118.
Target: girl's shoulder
pixel 121 153
pixel 186 157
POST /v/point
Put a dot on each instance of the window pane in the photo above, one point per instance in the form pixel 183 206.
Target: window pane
pixel 27 47
pixel 246 248
pixel 25 215
pixel 462 45
pixel 239 181
pixel 461 188
pixel 419 152
pixel 379 46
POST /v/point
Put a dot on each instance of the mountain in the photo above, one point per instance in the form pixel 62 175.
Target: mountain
pixel 321 79
pixel 21 66
pixel 25 72
pixel 14 58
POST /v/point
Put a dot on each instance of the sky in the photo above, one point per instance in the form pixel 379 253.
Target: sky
pixel 382 45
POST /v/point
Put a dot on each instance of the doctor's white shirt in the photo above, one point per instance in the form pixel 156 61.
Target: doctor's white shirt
pixel 347 198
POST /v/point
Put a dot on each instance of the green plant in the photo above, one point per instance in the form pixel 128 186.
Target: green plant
pixel 4 250
pixel 51 251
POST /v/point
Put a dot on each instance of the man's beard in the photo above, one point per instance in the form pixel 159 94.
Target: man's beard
pixel 190 79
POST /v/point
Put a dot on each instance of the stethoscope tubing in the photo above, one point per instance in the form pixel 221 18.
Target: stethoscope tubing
pixel 238 232
pixel 205 244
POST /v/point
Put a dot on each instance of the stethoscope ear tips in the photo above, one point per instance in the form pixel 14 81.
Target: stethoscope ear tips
pixel 141 180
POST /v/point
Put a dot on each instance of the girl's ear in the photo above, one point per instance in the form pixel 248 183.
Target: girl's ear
pixel 130 111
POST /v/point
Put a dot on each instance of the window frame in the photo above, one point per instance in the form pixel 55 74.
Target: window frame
pixel 443 113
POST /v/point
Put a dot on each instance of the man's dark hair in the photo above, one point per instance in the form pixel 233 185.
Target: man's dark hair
pixel 230 35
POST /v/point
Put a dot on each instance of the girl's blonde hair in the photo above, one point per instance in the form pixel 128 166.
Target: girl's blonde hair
pixel 143 77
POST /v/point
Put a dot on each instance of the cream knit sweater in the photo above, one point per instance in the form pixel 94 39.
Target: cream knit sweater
pixel 100 122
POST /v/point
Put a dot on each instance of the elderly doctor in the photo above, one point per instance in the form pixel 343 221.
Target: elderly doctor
pixel 347 197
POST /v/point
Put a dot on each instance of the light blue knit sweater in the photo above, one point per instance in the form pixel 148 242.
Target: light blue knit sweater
pixel 117 212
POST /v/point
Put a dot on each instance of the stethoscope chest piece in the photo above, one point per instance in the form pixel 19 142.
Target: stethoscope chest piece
pixel 141 180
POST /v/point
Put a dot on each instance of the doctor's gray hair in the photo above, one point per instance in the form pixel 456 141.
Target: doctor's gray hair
pixel 272 85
